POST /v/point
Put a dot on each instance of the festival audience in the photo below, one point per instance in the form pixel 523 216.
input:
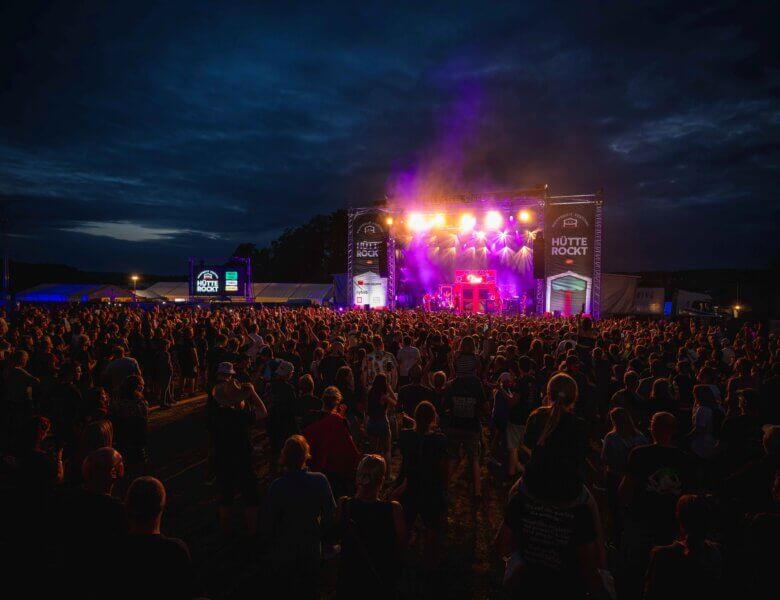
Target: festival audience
pixel 572 404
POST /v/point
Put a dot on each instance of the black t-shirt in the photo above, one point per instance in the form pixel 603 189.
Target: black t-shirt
pixel 770 400
pixel 88 524
pixel 547 537
pixel 422 458
pixel 90 516
pixel 555 470
pixel 751 485
pixel 409 396
pixel 232 432
pixel 675 574
pixel 441 356
pixel 741 439
pixel 661 476
pixel 463 402
pixel 526 395
pixel 328 368
pixel 304 403
pixel 761 556
pixel 155 566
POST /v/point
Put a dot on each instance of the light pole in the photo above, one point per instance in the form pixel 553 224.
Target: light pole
pixel 135 282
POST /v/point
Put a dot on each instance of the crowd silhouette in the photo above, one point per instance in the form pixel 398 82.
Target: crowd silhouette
pixel 638 458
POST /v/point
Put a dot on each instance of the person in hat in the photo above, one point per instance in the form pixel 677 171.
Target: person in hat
pixel 232 419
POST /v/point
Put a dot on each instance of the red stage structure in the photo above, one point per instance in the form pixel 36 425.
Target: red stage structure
pixel 474 291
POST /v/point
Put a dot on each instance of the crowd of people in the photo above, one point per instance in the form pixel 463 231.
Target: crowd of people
pixel 638 458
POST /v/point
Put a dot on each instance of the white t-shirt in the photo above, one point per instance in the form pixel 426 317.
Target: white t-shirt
pixel 257 343
pixel 408 356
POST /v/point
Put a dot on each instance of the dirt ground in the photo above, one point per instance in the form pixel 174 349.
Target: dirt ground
pixel 234 567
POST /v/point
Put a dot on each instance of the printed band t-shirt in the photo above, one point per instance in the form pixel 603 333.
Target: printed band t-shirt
pixel 548 537
pixel 662 475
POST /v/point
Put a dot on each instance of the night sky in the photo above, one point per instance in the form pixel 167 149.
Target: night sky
pixel 135 134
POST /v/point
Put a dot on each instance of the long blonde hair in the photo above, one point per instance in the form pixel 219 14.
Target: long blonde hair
pixel 561 394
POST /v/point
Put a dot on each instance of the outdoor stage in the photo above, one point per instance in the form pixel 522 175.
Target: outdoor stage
pixel 523 252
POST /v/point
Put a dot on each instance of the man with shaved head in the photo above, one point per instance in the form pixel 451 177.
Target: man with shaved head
pixel 91 510
pixel 160 565
pixel 92 521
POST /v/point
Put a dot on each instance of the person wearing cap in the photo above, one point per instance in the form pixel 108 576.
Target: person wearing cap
pixel 232 419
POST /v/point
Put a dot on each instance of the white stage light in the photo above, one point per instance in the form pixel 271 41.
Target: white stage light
pixel 467 223
pixel 416 222
pixel 493 220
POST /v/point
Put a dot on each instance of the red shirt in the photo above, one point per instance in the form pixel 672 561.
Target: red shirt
pixel 332 447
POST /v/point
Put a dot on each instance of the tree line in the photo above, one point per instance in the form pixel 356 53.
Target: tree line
pixel 311 252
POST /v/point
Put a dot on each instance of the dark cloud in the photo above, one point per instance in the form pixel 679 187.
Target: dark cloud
pixel 192 126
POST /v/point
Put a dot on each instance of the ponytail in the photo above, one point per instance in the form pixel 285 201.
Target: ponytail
pixel 561 394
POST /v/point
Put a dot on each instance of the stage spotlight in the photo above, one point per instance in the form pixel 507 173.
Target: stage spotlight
pixel 493 220
pixel 439 220
pixel 389 220
pixel 467 223
pixel 525 216
pixel 502 236
pixel 480 235
pixel 416 222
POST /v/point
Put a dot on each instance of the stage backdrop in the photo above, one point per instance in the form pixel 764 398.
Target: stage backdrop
pixel 369 258
pixel 570 235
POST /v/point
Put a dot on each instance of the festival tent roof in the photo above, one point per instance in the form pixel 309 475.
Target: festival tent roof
pixel 268 293
pixel 296 293
pixel 73 292
pixel 166 290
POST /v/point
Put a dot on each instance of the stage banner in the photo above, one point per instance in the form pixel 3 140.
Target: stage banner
pixel 569 231
pixel 370 239
pixel 370 243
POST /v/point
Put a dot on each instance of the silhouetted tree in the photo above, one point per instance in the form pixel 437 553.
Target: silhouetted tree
pixel 312 252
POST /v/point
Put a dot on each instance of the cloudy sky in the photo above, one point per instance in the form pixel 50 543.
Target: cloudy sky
pixel 135 134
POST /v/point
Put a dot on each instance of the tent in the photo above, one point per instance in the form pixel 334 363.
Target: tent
pixel 266 293
pixel 74 292
pixel 341 289
pixel 617 294
pixel 292 293
pixel 171 291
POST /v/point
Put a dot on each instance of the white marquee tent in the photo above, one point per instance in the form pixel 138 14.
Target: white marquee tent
pixel 267 293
